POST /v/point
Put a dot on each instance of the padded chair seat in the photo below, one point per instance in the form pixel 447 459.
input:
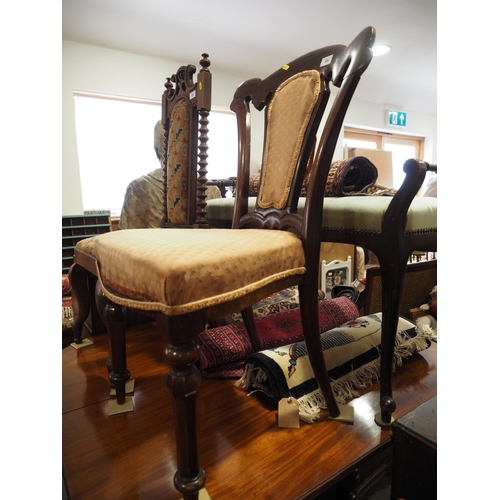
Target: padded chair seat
pixel 87 245
pixel 149 265
pixel 347 213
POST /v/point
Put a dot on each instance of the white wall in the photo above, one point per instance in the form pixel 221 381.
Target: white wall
pixel 373 116
pixel 91 68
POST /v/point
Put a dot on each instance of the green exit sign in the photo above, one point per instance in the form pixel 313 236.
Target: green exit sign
pixel 396 118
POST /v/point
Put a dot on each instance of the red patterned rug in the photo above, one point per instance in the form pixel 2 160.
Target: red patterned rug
pixel 67 309
pixel 224 349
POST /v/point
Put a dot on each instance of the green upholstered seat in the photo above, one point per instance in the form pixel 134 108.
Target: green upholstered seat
pixel 350 214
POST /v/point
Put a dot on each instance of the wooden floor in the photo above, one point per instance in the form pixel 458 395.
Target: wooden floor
pixel 245 455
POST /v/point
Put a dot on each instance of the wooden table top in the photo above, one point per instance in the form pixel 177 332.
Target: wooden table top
pixel 245 454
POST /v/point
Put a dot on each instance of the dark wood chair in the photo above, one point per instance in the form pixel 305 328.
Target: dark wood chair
pixel 392 228
pixel 185 109
pixel 187 277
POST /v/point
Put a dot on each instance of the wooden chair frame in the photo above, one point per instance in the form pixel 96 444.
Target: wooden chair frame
pixel 338 65
pixel 181 88
pixel 83 272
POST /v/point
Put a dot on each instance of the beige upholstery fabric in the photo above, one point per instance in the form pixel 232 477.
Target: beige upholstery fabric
pixel 178 271
pixel 178 163
pixel 285 132
pixel 354 213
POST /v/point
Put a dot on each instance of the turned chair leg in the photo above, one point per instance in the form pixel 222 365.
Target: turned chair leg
pixel 113 317
pixel 81 299
pixel 183 382
pixel 393 274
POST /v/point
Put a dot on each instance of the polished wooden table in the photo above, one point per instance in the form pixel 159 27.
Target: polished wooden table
pixel 415 453
pixel 132 455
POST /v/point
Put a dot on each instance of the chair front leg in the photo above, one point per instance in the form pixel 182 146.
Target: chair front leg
pixel 183 382
pixel 249 321
pixel 308 297
pixel 81 299
pixel 113 317
pixel 393 273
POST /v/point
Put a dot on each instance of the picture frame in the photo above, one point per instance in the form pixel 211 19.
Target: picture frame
pixel 336 272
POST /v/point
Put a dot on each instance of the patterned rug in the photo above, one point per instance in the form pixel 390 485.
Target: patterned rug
pixel 67 304
pixel 351 176
pixel 224 349
pixel 352 357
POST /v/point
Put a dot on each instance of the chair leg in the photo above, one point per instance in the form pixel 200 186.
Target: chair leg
pixel 81 299
pixel 393 274
pixel 310 327
pixel 117 357
pixel 249 320
pixel 183 382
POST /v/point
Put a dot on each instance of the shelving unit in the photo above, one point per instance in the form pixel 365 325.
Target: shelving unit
pixel 79 227
pixel 74 229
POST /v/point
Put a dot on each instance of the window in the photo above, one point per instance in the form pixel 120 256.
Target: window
pixel 115 140
pixel 402 147
pixel 222 144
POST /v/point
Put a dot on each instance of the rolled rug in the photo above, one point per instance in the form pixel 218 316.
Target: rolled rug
pixel 352 359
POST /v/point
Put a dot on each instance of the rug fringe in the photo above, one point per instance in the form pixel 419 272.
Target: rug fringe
pixel 345 387
pixel 67 312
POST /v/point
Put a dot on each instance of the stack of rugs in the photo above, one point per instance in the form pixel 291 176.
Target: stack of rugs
pixel 282 369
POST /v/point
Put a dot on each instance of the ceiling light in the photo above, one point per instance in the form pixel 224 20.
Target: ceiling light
pixel 379 50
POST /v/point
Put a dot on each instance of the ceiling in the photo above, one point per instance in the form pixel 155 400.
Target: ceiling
pixel 255 38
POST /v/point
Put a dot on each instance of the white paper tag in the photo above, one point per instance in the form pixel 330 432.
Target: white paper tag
pixel 326 60
pixel 288 413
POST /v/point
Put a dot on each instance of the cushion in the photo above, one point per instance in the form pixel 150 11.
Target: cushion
pixel 178 271
pixel 349 213
pixel 87 245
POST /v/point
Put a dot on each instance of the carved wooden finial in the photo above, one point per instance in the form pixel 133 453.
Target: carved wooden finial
pixel 205 62
pixel 168 84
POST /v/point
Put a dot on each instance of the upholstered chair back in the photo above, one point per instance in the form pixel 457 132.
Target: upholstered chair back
pixel 178 165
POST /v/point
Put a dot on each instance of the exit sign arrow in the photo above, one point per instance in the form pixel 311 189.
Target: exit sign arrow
pixel 396 118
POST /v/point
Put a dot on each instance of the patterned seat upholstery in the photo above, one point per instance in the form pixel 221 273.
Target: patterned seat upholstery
pixel 149 200
pixel 186 277
pixel 146 269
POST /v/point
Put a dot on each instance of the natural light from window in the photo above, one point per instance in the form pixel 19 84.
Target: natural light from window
pixel 115 139
pixel 400 153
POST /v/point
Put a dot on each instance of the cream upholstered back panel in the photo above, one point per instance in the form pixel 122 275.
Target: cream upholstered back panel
pixel 288 116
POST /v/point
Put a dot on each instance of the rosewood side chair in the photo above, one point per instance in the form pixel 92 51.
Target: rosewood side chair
pixel 187 277
pixel 185 109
